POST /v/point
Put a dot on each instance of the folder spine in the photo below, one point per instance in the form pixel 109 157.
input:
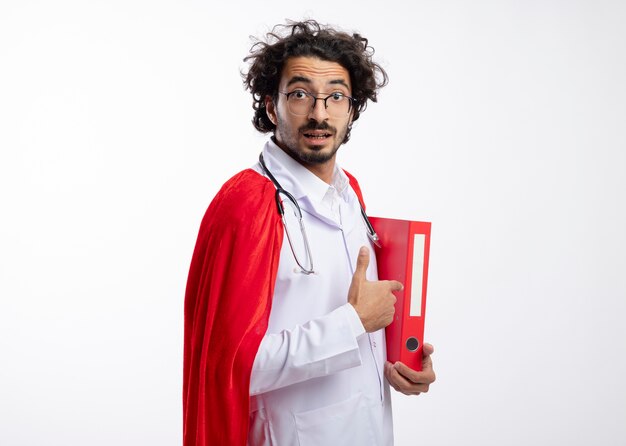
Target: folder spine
pixel 396 259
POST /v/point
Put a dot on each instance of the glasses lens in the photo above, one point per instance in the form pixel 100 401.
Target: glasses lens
pixel 337 105
pixel 301 104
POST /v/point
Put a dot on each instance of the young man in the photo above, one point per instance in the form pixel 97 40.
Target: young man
pixel 284 318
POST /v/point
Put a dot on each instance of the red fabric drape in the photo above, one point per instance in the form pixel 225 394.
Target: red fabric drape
pixel 227 306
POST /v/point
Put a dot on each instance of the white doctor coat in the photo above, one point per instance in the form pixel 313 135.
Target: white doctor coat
pixel 317 378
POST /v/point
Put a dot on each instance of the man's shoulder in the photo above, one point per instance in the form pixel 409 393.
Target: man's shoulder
pixel 242 197
pixel 244 182
pixel 355 186
pixel 351 178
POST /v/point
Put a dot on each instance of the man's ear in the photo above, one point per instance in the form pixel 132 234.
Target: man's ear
pixel 270 109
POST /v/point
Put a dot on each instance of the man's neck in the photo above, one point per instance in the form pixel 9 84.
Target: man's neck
pixel 323 171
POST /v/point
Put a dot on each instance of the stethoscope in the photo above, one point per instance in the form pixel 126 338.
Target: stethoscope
pixel 371 233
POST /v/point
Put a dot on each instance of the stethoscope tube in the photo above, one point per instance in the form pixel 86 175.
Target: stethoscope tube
pixel 281 212
pixel 371 233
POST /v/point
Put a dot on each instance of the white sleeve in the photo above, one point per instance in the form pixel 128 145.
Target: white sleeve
pixel 320 347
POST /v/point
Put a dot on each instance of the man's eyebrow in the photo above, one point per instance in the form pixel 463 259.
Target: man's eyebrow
pixel 340 82
pixel 295 79
pixel 306 80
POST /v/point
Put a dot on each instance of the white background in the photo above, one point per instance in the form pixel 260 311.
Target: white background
pixel 503 124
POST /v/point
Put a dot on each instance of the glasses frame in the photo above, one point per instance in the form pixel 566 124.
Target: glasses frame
pixel 351 101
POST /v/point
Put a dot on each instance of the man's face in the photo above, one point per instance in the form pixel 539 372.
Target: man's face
pixel 315 137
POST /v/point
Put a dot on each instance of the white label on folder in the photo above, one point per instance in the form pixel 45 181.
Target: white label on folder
pixel 419 241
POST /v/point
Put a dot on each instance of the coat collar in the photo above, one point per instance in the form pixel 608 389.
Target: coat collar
pixel 312 193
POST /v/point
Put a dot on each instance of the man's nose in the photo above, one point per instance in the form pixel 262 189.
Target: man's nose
pixel 318 112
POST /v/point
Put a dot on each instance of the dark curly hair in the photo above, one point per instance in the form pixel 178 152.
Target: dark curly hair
pixel 309 38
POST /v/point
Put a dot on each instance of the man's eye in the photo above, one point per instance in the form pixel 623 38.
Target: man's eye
pixel 298 94
pixel 337 97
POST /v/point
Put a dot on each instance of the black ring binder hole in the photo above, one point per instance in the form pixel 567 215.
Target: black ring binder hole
pixel 412 344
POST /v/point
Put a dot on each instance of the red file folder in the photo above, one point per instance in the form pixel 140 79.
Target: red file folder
pixel 403 256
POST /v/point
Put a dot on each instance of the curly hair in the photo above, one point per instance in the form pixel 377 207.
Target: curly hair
pixel 309 38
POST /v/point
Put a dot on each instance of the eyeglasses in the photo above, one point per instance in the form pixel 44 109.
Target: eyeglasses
pixel 300 103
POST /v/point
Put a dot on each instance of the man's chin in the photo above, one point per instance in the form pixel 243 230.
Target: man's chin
pixel 316 154
pixel 310 154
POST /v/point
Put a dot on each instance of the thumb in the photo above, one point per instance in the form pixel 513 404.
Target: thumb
pixel 362 261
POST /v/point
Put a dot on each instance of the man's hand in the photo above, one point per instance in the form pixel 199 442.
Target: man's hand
pixel 409 381
pixel 373 301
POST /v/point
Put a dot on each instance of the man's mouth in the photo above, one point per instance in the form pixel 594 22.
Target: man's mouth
pixel 317 134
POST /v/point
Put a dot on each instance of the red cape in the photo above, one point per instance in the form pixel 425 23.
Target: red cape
pixel 227 307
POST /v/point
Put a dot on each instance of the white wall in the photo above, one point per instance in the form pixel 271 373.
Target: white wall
pixel 503 124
